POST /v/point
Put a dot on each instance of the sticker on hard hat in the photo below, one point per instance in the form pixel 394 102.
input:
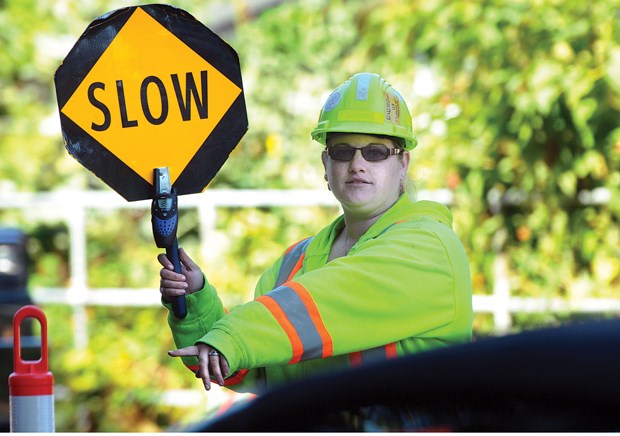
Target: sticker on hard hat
pixel 332 101
pixel 363 84
pixel 392 108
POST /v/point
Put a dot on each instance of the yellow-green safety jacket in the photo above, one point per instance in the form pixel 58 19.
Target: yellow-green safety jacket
pixel 403 288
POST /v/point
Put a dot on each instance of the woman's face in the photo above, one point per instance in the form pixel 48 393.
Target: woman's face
pixel 365 189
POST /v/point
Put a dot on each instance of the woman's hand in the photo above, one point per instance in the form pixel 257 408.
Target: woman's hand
pixel 173 284
pixel 210 361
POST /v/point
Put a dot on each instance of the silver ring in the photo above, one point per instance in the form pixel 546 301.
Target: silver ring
pixel 213 353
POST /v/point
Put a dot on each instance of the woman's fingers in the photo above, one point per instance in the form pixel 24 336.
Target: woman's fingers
pixel 190 279
pixel 210 363
pixel 174 283
pixel 202 352
pixel 203 362
pixel 187 351
pixel 170 288
pixel 187 261
pixel 216 367
pixel 171 284
pixel 224 365
pixel 164 261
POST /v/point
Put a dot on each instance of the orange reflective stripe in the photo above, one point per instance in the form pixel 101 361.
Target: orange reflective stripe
pixel 355 359
pixel 236 378
pixel 297 267
pixel 292 261
pixel 376 354
pixel 313 310
pixel 286 325
pixel 295 310
pixel 391 351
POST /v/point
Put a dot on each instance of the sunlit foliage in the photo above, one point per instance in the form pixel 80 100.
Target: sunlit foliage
pixel 516 105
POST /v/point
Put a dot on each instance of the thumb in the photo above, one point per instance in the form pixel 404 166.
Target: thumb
pixel 186 260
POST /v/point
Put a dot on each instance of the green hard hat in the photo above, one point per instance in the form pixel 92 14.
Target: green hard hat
pixel 366 103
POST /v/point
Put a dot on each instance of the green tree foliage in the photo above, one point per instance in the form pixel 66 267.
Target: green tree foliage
pixel 518 115
pixel 516 105
pixel 536 85
pixel 116 383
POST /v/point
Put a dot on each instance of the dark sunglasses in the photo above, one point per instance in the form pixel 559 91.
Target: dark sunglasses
pixel 371 152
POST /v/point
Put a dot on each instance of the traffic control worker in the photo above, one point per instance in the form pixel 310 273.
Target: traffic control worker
pixel 387 278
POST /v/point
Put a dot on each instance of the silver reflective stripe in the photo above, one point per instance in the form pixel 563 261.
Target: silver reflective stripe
pixel 374 354
pixel 32 414
pixel 298 315
pixel 290 260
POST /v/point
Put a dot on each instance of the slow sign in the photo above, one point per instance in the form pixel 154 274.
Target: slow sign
pixel 147 87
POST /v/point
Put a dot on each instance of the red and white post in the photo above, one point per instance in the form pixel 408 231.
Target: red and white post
pixel 31 385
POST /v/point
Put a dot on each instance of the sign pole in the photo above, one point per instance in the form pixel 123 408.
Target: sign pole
pixel 164 219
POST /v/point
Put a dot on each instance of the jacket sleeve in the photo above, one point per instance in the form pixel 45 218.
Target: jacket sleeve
pixel 204 309
pixel 411 281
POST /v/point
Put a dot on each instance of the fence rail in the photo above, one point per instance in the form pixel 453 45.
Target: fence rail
pixel 71 207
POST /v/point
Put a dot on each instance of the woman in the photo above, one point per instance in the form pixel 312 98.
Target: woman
pixel 387 278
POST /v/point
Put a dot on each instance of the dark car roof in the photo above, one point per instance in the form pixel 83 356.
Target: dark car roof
pixel 555 379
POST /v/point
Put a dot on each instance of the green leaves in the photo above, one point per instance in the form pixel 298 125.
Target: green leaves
pixel 516 105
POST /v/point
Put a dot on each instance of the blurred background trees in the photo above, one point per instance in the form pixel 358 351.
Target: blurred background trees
pixel 516 105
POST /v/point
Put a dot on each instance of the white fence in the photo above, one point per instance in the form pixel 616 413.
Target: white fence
pixel 71 207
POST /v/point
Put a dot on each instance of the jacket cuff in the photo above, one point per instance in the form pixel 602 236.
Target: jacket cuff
pixel 200 304
pixel 226 345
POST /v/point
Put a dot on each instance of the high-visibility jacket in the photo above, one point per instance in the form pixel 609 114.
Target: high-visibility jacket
pixel 404 287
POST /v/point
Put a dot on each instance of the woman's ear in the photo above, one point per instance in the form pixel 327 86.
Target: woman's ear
pixel 324 159
pixel 405 161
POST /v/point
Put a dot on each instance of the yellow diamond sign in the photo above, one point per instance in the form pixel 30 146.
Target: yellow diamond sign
pixel 148 87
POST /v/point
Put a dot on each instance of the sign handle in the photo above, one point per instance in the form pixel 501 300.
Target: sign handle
pixel 179 304
pixel 164 218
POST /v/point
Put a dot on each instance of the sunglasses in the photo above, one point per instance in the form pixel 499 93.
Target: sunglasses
pixel 371 152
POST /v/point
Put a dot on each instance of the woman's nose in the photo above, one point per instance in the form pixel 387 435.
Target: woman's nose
pixel 358 162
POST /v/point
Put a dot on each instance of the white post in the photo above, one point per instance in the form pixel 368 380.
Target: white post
pixel 501 295
pixel 207 214
pixel 77 293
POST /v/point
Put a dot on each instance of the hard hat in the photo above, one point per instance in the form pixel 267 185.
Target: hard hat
pixel 366 103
